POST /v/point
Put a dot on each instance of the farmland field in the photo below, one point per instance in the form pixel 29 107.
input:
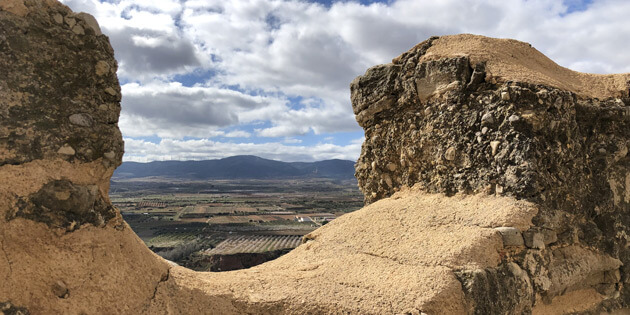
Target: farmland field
pixel 255 244
pixel 183 220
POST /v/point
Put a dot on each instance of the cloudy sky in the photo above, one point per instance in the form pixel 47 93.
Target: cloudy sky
pixel 204 79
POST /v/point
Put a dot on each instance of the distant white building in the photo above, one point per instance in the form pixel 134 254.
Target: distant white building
pixel 322 219
pixel 300 218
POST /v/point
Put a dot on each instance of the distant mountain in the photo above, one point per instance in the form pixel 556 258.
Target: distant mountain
pixel 237 167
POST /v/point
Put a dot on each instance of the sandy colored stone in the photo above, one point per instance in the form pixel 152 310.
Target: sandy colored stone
pixel 91 22
pixel 101 68
pixel 16 7
pixel 512 60
pixel 413 253
pixel 394 255
pixel 66 150
pixel 572 302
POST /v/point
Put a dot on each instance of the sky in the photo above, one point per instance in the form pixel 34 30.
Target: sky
pixel 207 79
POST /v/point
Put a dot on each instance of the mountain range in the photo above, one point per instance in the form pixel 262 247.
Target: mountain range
pixel 237 167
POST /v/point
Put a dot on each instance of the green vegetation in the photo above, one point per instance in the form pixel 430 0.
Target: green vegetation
pixel 179 219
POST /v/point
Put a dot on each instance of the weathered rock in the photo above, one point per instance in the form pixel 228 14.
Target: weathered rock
pixel 534 239
pixel 529 130
pixel 511 236
pixel 64 249
pixel 502 290
pixel 8 309
pixel 60 289
pixel 53 93
pixel 559 171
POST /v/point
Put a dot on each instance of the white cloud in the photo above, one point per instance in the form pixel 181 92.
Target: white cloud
pixel 291 140
pixel 203 149
pixel 292 61
pixel 238 134
pixel 145 36
pixel 169 109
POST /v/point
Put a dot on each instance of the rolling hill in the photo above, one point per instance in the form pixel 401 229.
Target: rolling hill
pixel 237 167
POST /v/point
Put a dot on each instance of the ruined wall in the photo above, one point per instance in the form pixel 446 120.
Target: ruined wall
pixel 441 116
pixel 519 204
pixel 59 145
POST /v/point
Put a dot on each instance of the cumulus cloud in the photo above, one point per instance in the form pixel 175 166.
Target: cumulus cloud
pixel 169 109
pixel 145 36
pixel 169 149
pixel 281 69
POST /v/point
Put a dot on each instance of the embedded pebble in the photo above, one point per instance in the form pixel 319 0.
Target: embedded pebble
pixel 494 145
pixel 110 155
pixel 511 236
pixel 83 120
pixel 487 119
pixel 450 154
pixel 101 68
pixel 66 150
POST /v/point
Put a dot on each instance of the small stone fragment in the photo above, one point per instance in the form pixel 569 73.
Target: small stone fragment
pixel 494 145
pixel 83 120
pixel 487 119
pixel 499 190
pixel 549 236
pixel 110 155
pixel 70 21
pixel 514 118
pixel 391 167
pixel 66 150
pixel 534 239
pixel 505 96
pixel 91 22
pixel 78 29
pixel 101 68
pixel 484 130
pixel 60 289
pixel 450 154
pixel 58 18
pixel 511 236
pixel 110 91
pixel 388 180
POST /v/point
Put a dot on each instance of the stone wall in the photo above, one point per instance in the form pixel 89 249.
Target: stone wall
pixel 450 125
pixel 519 201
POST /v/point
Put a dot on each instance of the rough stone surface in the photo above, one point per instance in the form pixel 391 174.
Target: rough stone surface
pixel 501 290
pixel 39 97
pixel 511 236
pixel 534 239
pixel 440 194
pixel 527 129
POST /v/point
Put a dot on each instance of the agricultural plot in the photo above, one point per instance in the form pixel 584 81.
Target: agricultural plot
pixel 181 219
pixel 241 219
pixel 151 204
pixel 255 244
pixel 170 239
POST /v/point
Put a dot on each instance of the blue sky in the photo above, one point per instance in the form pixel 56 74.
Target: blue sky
pixel 204 79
